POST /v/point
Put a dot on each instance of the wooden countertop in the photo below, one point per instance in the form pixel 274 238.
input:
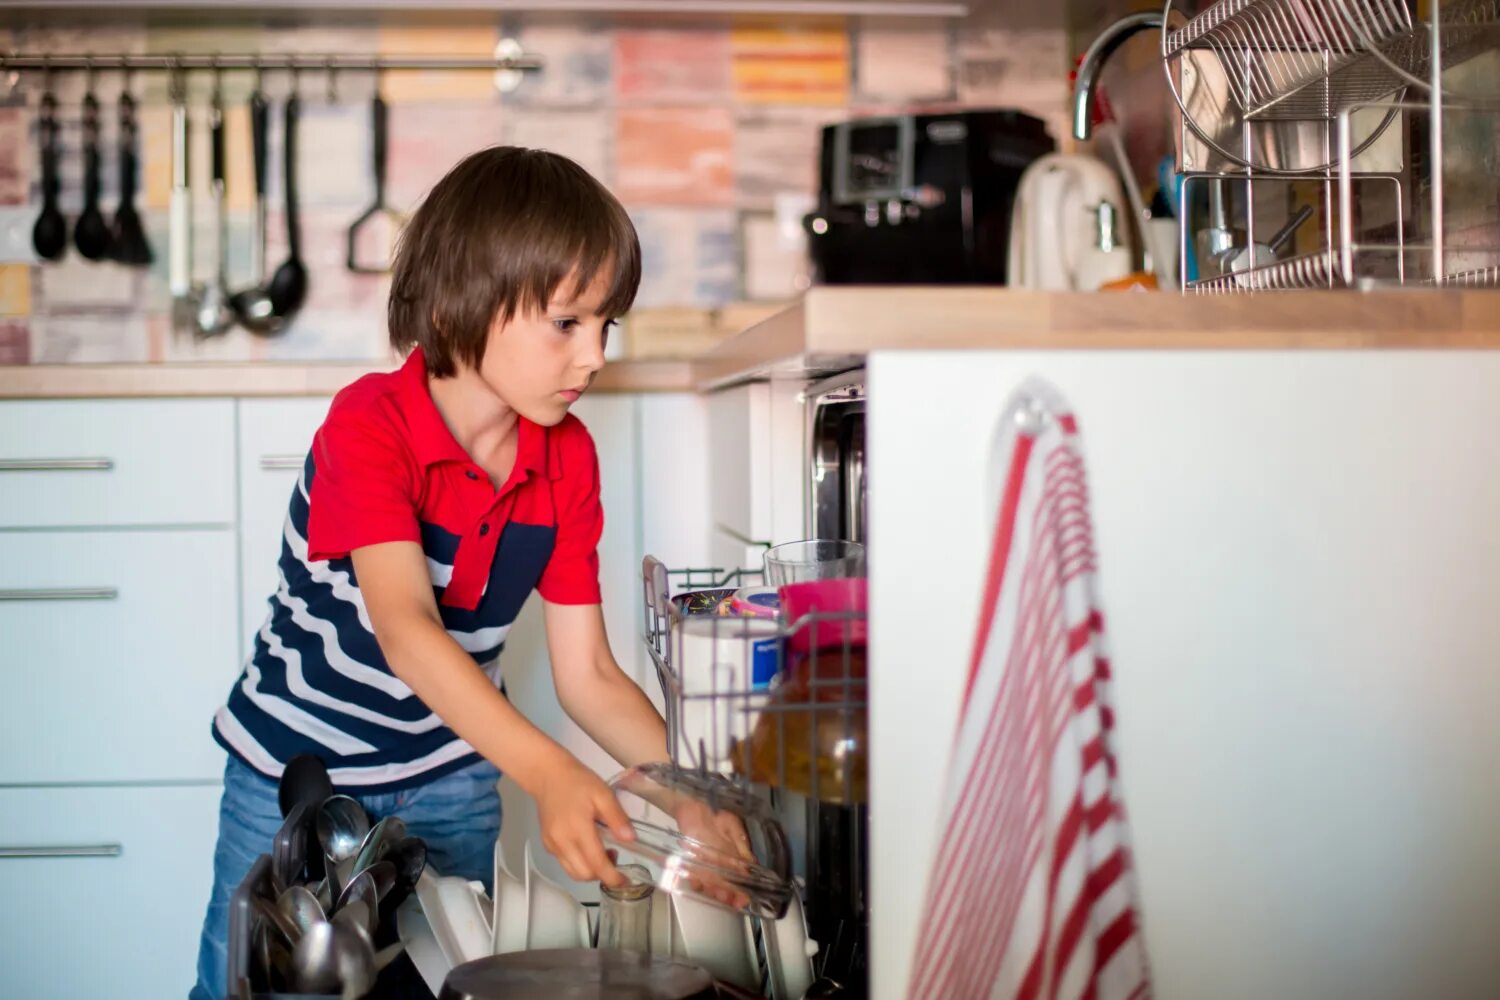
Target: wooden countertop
pixel 832 328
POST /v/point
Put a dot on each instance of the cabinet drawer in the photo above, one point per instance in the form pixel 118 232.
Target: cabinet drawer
pixel 119 646
pixel 275 435
pixel 109 898
pixel 116 462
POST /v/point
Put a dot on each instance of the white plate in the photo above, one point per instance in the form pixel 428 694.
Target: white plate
pixel 457 916
pixel 510 916
pixel 720 940
pixel 422 945
pixel 554 919
pixel 789 953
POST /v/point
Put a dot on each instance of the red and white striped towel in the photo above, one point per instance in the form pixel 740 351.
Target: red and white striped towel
pixel 1031 893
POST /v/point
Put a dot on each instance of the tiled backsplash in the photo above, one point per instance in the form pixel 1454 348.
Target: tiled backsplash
pixel 707 132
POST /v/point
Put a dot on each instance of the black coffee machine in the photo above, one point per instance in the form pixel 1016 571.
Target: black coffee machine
pixel 920 199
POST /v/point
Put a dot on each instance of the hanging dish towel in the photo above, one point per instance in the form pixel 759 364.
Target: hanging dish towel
pixel 1032 893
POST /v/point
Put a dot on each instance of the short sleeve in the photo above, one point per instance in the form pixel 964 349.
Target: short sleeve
pixel 572 574
pixel 365 485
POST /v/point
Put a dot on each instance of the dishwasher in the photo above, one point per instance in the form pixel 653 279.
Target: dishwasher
pixel 799 742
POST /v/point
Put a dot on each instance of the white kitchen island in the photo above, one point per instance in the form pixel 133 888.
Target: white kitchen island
pixel 1297 552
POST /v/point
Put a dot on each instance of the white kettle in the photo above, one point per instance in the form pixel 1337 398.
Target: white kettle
pixel 1069 230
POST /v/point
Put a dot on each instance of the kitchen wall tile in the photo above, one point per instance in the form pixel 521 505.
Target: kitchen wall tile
pixel 776 150
pixel 15 290
pixel 426 140
pixel 677 156
pixel 445 40
pixel 687 257
pixel 709 134
pixel 902 61
pixel 15 342
pixel 15 155
pixel 577 54
pixel 790 65
pixel 583 136
pixel 16 223
pixel 74 284
pixel 674 67
pixel 774 257
pixel 88 338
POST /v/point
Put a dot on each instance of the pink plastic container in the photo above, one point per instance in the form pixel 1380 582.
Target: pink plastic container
pixel 845 594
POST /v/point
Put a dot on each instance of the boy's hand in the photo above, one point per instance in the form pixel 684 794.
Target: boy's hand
pixel 568 805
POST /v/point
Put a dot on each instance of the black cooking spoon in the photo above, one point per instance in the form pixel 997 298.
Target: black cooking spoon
pixel 128 236
pixel 91 233
pixel 288 287
pixel 50 234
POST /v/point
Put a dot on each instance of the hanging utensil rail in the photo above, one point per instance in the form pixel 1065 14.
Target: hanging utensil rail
pixel 252 61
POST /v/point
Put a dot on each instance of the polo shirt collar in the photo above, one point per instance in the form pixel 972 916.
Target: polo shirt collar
pixel 433 442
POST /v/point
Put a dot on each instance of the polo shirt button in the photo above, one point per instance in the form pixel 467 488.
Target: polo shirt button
pixel 484 529
pixel 472 474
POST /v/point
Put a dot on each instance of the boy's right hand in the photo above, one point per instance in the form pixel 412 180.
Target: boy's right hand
pixel 569 803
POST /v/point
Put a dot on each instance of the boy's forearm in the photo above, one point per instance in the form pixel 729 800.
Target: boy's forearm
pixel 447 680
pixel 612 709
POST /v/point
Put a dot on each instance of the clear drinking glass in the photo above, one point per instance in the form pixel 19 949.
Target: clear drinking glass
pixel 813 559
pixel 625 913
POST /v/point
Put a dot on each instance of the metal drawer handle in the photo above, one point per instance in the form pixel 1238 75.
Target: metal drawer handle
pixel 56 464
pixel 277 463
pixel 81 851
pixel 61 594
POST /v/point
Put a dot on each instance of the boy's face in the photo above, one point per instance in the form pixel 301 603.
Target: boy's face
pixel 542 362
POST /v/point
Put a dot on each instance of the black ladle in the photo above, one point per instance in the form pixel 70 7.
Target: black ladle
pixel 288 287
pixel 128 236
pixel 49 236
pixel 251 305
pixel 91 233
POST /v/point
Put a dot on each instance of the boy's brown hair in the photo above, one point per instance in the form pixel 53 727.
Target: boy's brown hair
pixel 497 236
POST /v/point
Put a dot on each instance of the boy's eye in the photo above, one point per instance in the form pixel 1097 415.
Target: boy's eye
pixel 565 325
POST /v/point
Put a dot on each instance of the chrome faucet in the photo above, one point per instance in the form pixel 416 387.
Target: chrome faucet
pixel 1093 61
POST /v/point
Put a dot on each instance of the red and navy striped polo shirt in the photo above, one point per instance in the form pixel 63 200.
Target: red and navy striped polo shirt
pixel 384 467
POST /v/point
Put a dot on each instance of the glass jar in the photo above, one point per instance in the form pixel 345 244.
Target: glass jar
pixel 625 912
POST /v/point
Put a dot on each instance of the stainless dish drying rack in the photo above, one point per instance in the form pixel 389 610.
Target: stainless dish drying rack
pixel 1321 93
pixel 826 823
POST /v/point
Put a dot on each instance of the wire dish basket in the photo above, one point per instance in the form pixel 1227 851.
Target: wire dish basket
pixel 765 702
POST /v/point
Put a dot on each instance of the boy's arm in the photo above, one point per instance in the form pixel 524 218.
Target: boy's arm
pixel 595 692
pixel 397 590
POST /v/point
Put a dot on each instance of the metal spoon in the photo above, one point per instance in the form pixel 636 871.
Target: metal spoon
pixel 381 839
pixel 274 916
pixel 289 849
pixel 214 313
pixel 315 962
pixel 342 827
pixel 302 908
pixel 354 958
pixel 362 888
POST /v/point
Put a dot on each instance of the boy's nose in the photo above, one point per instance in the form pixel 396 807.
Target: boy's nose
pixel 591 354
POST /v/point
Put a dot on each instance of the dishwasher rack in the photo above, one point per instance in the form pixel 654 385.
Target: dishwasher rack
pixel 804 753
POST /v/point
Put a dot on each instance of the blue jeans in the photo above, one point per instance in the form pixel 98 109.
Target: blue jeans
pixel 458 815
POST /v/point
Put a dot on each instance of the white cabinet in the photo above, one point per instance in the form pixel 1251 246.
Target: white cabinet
pixel 274 437
pixel 1297 555
pixel 118 648
pixel 105 889
pixel 116 462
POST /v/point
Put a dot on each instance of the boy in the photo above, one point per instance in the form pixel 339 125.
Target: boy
pixel 434 499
